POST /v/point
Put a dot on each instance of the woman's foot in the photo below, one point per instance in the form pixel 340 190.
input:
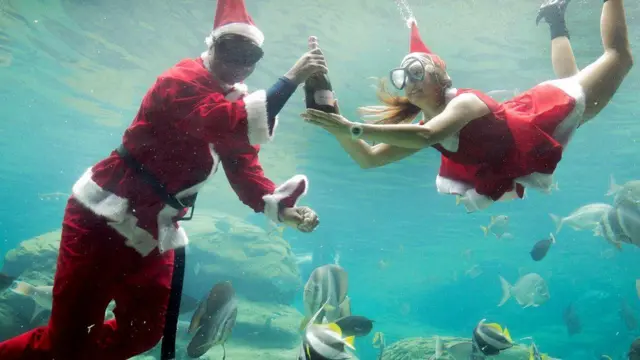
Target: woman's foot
pixel 552 11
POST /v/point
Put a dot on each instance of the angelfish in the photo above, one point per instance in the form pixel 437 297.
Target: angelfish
pixel 213 320
pixel 326 290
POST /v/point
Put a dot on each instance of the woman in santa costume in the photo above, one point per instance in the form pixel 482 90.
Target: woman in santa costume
pixel 120 226
pixel 490 151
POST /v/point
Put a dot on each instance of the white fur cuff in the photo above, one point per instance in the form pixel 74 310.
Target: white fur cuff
pixel 257 119
pixel 289 193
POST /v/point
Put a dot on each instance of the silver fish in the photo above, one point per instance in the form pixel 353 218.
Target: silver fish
pixel 529 290
pixel 498 226
pixel 328 285
pixel 213 320
pixel 586 217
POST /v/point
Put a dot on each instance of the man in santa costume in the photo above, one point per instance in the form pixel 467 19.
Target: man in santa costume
pixel 120 226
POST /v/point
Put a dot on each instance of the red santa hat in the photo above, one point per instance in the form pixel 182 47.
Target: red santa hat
pixel 416 45
pixel 232 18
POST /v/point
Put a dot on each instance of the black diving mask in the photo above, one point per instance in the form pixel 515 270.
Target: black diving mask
pixel 237 50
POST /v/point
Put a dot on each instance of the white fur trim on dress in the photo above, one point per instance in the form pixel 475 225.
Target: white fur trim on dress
pixel 257 119
pixel 246 30
pixel 99 200
pixel 272 201
pixel 565 130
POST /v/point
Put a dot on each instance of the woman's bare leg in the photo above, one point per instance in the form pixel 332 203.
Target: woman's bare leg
pixel 601 79
pixel 562 58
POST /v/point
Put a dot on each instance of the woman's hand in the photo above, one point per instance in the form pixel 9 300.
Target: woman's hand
pixel 336 124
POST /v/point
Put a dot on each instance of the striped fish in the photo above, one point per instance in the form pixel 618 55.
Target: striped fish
pixel 328 285
pixel 324 341
pixel 213 320
pixel 490 339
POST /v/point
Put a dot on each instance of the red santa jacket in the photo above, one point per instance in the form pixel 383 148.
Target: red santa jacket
pixel 186 126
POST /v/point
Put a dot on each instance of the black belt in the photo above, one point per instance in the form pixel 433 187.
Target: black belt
pixel 157 186
pixel 168 350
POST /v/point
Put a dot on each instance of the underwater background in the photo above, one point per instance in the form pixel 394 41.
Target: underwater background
pixel 72 74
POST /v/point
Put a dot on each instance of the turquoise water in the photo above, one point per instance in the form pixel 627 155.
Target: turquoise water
pixel 72 74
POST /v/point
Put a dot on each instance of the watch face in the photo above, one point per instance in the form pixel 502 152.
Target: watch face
pixel 356 131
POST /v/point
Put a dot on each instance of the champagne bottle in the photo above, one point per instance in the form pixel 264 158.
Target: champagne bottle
pixel 318 93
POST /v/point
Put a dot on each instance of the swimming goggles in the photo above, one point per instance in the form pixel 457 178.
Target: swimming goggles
pixel 414 71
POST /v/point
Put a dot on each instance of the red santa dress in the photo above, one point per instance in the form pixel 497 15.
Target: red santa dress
pixel 517 145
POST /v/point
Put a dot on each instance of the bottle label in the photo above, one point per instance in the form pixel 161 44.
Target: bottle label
pixel 323 97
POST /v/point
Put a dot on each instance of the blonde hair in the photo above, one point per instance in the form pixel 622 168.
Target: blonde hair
pixel 397 109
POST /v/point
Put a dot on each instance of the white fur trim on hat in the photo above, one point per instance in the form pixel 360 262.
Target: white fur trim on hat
pixel 247 30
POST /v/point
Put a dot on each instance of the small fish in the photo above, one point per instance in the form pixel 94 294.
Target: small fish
pixel 378 342
pixel 498 226
pixel 41 295
pixel 572 320
pixel 5 281
pixel 327 284
pixel 605 357
pixel 490 339
pixel 197 268
pixel 529 290
pixel 355 325
pixel 638 288
pixel 474 271
pixel 535 354
pixel 213 320
pixel 541 248
pixel 585 217
pixel 304 258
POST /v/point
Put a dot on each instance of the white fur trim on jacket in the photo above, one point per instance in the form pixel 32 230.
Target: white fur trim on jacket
pixel 116 210
pixel 257 119
pixel 246 30
pixel 100 201
pixel 239 90
pixel 296 186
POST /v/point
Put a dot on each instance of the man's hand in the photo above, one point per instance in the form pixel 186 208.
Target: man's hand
pixel 301 218
pixel 310 63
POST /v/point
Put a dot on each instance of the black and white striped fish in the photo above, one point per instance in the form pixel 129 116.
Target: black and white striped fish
pixel 490 339
pixel 325 341
pixel 213 320
pixel 328 285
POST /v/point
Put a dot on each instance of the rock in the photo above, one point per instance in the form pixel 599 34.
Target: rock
pixel 34 261
pixel 423 348
pixel 260 266
pixel 34 258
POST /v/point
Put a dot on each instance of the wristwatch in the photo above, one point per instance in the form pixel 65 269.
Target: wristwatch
pixel 356 131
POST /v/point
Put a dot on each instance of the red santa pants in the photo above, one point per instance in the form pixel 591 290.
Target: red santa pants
pixel 94 267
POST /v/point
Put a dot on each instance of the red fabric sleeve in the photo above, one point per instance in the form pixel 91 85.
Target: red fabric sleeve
pixel 246 177
pixel 207 115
